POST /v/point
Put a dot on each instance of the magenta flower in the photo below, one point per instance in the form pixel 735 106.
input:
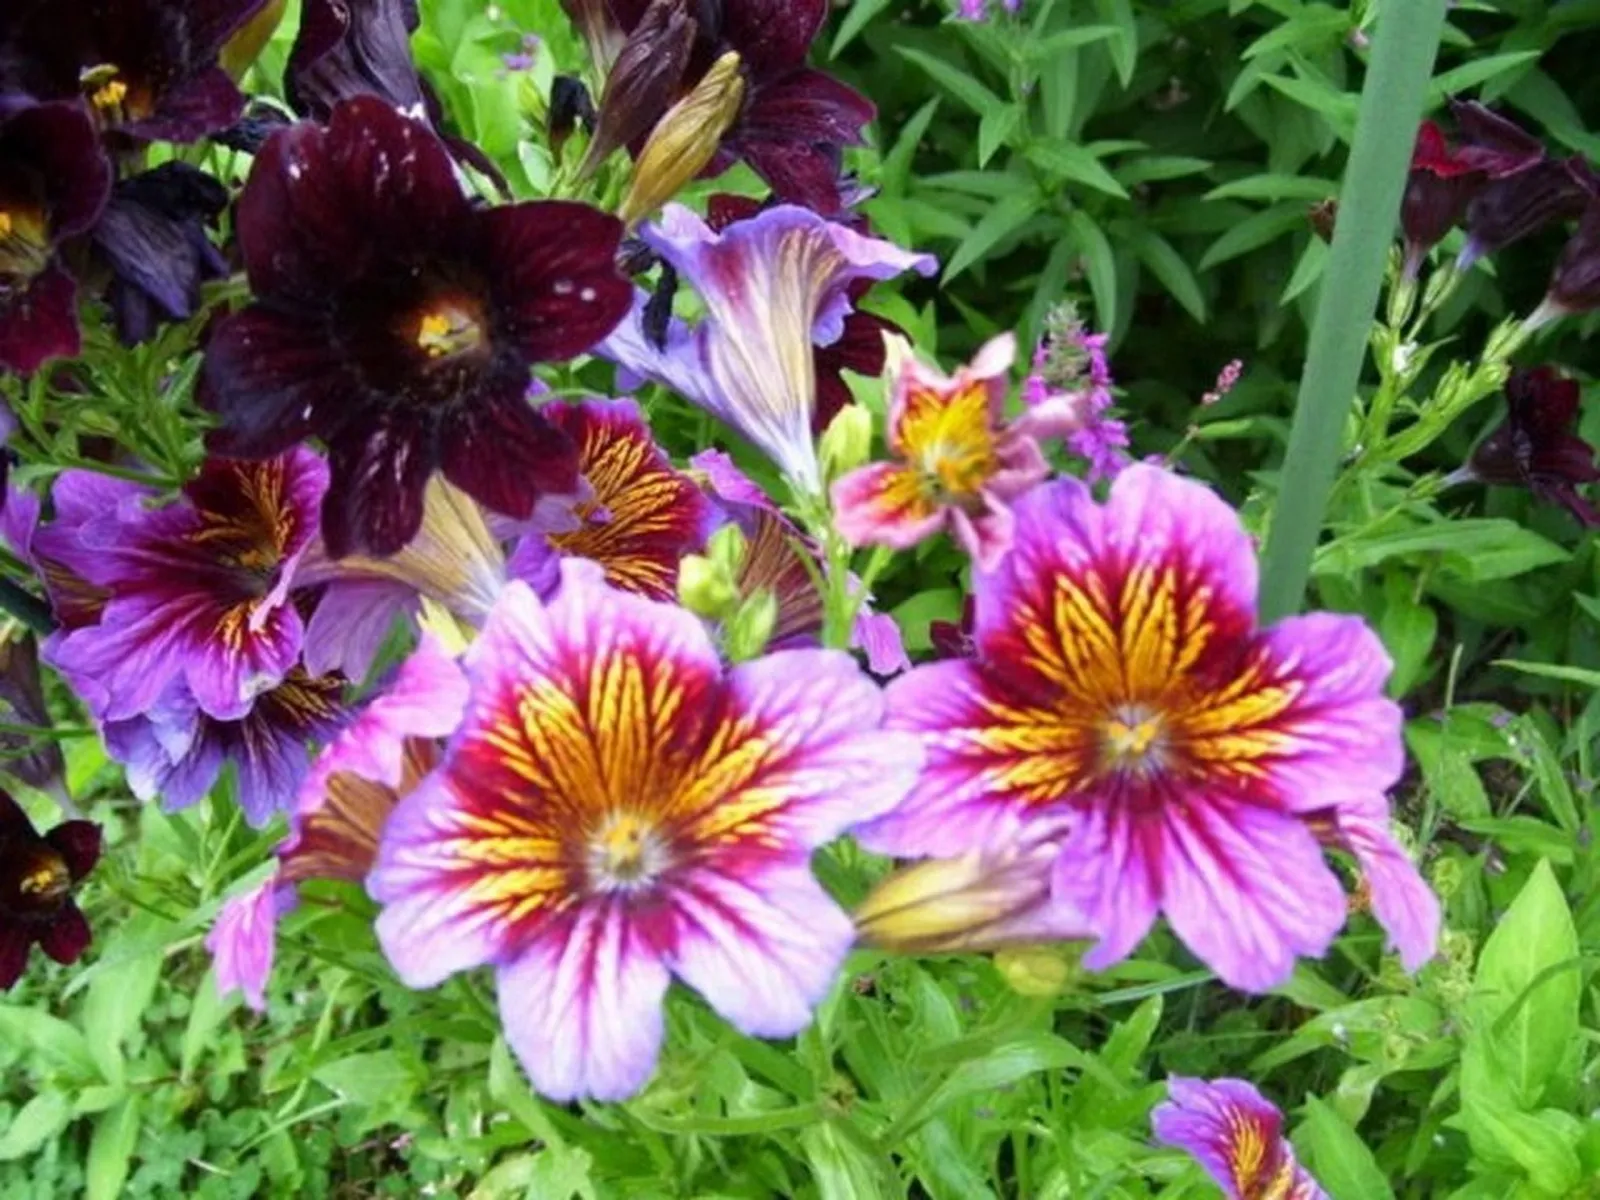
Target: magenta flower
pixel 958 462
pixel 174 752
pixel 618 809
pixel 397 320
pixel 37 875
pixel 1122 690
pixel 1236 1134
pixel 773 286
pixel 198 590
pixel 341 806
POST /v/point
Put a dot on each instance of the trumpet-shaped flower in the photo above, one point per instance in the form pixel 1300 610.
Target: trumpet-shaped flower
pixel 341 805
pixel 1236 1134
pixel 957 461
pixel 773 286
pixel 37 875
pixel 618 808
pixel 642 516
pixel 1536 447
pixel 198 590
pixel 1121 689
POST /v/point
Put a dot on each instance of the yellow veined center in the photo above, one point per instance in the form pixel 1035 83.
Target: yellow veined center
pixel 448 331
pixel 24 243
pixel 626 852
pixel 951 443
pixel 45 880
pixel 1134 739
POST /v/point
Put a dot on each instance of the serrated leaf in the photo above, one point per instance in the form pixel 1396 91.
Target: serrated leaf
pixel 1338 1157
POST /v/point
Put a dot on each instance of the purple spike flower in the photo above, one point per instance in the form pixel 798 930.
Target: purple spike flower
pixel 618 808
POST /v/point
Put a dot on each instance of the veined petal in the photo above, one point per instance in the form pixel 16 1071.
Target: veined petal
pixel 1236 1135
pixel 885 504
pixel 243 941
pixel 1402 901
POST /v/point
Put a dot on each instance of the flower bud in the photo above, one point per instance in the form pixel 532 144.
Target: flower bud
pixel 1575 286
pixel 685 140
pixel 240 51
pixel 727 548
pixel 599 30
pixel 974 902
pixel 1038 971
pixel 747 634
pixel 847 442
pixel 570 106
pixel 706 587
pixel 646 76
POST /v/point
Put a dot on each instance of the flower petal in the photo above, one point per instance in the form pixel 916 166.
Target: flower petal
pixel 243 941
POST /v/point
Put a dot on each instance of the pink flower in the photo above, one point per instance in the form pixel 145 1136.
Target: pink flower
pixel 1122 692
pixel 1236 1134
pixel 958 462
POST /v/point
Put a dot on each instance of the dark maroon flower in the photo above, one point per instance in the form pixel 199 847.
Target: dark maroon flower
pixel 53 183
pixel 397 321
pixel 795 121
pixel 1575 285
pixel 35 759
pixel 1446 176
pixel 37 875
pixel 348 48
pixel 645 79
pixel 1517 206
pixel 148 68
pixel 1535 447
pixel 153 237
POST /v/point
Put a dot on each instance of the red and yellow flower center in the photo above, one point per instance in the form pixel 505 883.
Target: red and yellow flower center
pixel 949 440
pixel 1133 739
pixel 449 330
pixel 24 242
pixel 626 851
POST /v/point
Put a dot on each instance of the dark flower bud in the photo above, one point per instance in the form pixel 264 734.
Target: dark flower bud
pixel 570 106
pixel 1510 209
pixel 348 48
pixel 34 759
pixel 646 79
pixel 1535 447
pixel 1437 192
pixel 658 310
pixel 1575 286
pixel 1323 215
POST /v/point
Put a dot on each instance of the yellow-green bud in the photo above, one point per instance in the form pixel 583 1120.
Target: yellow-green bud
pixel 706 588
pixel 727 549
pixel 946 905
pixel 746 635
pixel 1035 970
pixel 685 140
pixel 847 442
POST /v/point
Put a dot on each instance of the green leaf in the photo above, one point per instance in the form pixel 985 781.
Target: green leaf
pixel 1167 265
pixel 855 20
pixel 1527 989
pixel 1477 549
pixel 1275 187
pixel 1308 271
pixel 1582 676
pixel 1156 167
pixel 50 1038
pixel 40 1119
pixel 1338 1157
pixel 842 1169
pixel 895 172
pixel 1099 264
pixel 111 1147
pixel 1124 47
pixel 999 223
pixel 1540 1145
pixel 995 130
pixel 1068 160
pixel 954 80
pixel 1314 25
pixel 1471 74
pixel 1254 232
pixel 379 1078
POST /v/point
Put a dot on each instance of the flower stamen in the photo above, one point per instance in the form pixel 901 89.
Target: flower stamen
pixel 45 880
pixel 24 243
pixel 447 331
pixel 1134 739
pixel 626 853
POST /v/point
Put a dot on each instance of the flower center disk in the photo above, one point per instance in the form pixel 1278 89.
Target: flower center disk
pixel 448 331
pixel 625 853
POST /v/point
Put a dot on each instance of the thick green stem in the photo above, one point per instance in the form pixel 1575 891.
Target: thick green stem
pixel 1403 50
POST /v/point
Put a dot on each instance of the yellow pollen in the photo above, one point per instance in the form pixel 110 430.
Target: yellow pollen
pixel 1133 739
pixel 5 224
pixel 47 880
pixel 626 852
pixel 109 97
pixel 447 331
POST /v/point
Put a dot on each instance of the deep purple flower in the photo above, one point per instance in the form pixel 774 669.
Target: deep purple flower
pixel 795 121
pixel 1236 1134
pixel 1575 285
pixel 397 321
pixel 153 236
pixel 54 180
pixel 37 875
pixel 148 68
pixel 348 48
pixel 198 590
pixel 1518 206
pixel 1535 447
pixel 32 758
pixel 1446 175
pixel 174 752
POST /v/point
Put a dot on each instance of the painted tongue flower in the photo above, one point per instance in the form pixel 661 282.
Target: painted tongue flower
pixel 1122 690
pixel 198 590
pixel 1236 1134
pixel 618 808
pixel 54 181
pixel 37 875
pixel 773 286
pixel 959 463
pixel 1535 446
pixel 397 321
pixel 148 68
pixel 347 48
pixel 643 516
pixel 341 805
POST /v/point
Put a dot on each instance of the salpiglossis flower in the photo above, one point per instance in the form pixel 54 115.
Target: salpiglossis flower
pixel 397 321
pixel 1236 1134
pixel 1122 690
pixel 1536 447
pixel 642 516
pixel 198 590
pixel 341 805
pixel 619 808
pixel 958 462
pixel 37 875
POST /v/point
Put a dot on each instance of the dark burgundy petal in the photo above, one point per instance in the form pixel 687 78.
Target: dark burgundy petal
pixel 321 205
pixel 36 760
pixel 1492 144
pixel 13 821
pixel 40 324
pixel 861 350
pixel 1509 209
pixel 798 173
pixel 1542 400
pixel 723 210
pixel 505 455
pixel 191 109
pixel 275 379
pixel 554 282
pixel 66 937
pixel 348 48
pixel 806 106
pixel 15 942
pixel 379 471
pixel 1567 496
pixel 772 36
pixel 1576 282
pixel 57 144
pixel 78 843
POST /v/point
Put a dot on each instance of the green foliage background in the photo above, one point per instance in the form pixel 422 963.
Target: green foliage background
pixel 1156 159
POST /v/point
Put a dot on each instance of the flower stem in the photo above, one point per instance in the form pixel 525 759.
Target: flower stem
pixel 27 608
pixel 1406 40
